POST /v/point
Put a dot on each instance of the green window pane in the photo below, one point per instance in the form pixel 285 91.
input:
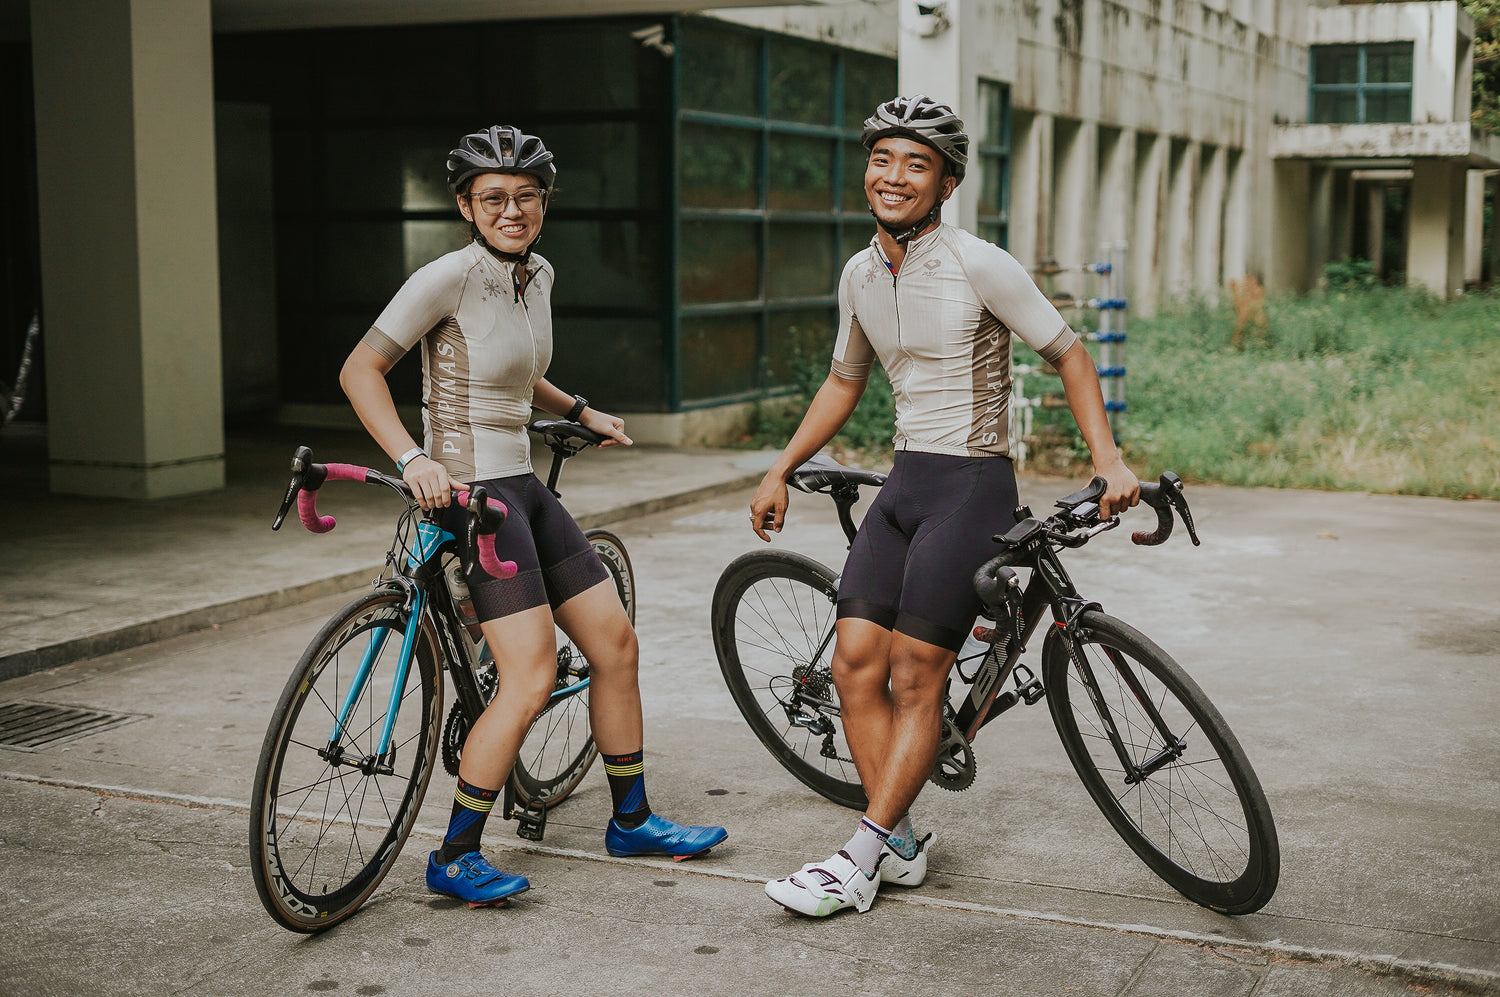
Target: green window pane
pixel 718 167
pixel 797 338
pixel 603 261
pixel 801 82
pixel 720 261
pixel 993 232
pixel 595 65
pixel 854 239
pixel 801 173
pixel 606 164
pixel 868 82
pixel 1335 64
pixel 1388 64
pixel 992 184
pixel 615 362
pixel 423 242
pixel 364 265
pixel 852 183
pixel 801 261
pixel 1392 105
pixel 720 69
pixel 1335 108
pixel 994 114
pixel 720 355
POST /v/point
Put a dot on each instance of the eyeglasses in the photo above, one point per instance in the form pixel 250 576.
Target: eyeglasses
pixel 528 199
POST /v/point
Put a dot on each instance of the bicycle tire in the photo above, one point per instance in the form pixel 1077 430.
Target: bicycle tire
pixel 772 612
pixel 559 748
pixel 1200 821
pixel 323 835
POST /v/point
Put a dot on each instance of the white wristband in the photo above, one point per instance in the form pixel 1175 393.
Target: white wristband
pixel 408 457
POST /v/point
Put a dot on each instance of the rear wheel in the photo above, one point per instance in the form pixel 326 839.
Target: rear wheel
pixel 1186 801
pixel 328 812
pixel 773 617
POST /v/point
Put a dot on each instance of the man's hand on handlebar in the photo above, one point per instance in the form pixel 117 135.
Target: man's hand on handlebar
pixel 429 483
pixel 1122 490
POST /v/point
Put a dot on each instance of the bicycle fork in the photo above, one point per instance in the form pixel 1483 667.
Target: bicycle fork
pixel 382 760
pixel 1173 746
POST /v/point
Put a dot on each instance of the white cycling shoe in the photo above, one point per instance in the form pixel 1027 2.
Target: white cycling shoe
pixel 822 888
pixel 898 870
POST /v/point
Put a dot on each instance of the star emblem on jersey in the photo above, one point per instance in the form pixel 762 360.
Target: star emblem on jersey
pixel 491 288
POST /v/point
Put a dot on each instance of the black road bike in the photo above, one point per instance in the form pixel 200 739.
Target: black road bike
pixel 1153 752
pixel 359 727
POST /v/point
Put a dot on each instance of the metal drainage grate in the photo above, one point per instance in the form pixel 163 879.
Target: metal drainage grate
pixel 34 726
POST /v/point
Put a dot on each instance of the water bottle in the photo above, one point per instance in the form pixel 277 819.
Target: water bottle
pixel 463 600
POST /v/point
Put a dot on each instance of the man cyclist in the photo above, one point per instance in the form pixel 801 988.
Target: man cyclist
pixel 937 306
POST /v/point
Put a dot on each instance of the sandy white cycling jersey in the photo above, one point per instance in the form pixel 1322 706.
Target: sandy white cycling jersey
pixel 941 329
pixel 483 349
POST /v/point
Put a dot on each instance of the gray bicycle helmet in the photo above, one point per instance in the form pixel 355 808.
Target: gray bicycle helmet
pixel 500 149
pixel 927 121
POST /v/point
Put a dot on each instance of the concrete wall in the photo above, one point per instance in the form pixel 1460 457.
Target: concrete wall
pixel 1441 34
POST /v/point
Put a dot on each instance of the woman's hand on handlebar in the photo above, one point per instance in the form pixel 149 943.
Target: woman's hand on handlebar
pixel 1122 490
pixel 768 507
pixel 429 483
pixel 611 427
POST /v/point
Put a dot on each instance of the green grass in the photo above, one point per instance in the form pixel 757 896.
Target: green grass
pixel 1377 389
pixel 1368 388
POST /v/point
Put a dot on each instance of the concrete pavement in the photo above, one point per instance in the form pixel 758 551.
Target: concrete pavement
pixel 1349 640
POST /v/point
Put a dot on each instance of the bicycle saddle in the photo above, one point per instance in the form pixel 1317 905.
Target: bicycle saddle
pixel 822 471
pixel 569 435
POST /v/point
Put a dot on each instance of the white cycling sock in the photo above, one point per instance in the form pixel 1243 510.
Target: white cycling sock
pixel 864 847
pixel 903 839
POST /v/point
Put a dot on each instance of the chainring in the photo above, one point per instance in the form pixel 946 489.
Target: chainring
pixel 955 767
pixel 456 727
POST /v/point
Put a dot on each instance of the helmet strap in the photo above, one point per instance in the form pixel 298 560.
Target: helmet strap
pixel 903 236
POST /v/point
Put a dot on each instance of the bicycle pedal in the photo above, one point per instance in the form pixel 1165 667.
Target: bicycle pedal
pixel 531 824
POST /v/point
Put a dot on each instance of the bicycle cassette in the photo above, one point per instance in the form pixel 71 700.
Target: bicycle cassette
pixel 954 770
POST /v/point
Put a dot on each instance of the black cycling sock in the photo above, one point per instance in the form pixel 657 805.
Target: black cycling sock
pixel 471 808
pixel 627 784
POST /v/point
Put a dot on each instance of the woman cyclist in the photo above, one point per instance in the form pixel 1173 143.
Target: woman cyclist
pixel 482 316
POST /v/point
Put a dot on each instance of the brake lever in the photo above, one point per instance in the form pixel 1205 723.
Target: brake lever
pixel 301 461
pixel 1171 485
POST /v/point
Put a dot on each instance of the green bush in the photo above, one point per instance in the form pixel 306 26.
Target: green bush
pixel 1376 389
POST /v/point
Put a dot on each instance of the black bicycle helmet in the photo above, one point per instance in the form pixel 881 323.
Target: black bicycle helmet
pixel 500 149
pixel 927 121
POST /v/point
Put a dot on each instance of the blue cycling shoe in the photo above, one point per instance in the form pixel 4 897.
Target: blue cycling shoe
pixel 659 836
pixel 472 879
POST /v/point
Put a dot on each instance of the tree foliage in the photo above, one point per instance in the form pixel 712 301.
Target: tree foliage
pixel 1486 15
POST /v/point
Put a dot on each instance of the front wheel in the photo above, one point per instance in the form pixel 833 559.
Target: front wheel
pixel 330 811
pixel 1162 764
pixel 773 617
pixel 559 747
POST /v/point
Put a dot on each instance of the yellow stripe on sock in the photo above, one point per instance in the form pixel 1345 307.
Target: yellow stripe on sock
pixel 635 769
pixel 474 803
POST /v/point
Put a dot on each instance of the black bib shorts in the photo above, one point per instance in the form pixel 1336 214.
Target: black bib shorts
pixel 554 560
pixel 911 566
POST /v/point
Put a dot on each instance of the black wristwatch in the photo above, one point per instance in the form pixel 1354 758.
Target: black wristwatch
pixel 579 404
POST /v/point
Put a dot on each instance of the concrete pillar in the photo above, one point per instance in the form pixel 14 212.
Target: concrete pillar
pixel 1208 218
pixel 1374 207
pixel 129 245
pixel 1341 220
pixel 1182 200
pixel 1031 188
pixel 935 57
pixel 1288 272
pixel 1435 246
pixel 1074 200
pixel 1236 216
pixel 1320 219
pixel 1474 227
pixel 1148 231
pixel 1494 241
pixel 1116 180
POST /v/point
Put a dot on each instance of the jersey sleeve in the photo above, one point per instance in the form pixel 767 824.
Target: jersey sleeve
pixel 428 296
pixel 1007 290
pixel 852 352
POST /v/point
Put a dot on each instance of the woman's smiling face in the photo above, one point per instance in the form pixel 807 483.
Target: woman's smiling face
pixel 507 208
